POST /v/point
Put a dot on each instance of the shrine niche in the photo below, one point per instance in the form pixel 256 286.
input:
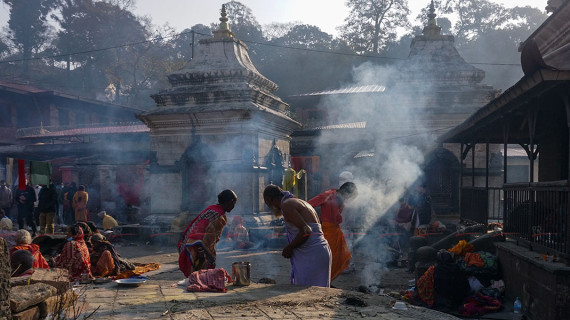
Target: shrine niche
pixel 274 165
pixel 442 170
pixel 195 164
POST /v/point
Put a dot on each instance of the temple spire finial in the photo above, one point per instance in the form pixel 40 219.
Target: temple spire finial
pixel 431 14
pixel 224 29
pixel 432 29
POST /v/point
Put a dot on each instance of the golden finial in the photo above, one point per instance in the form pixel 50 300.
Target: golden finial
pixel 224 30
pixel 432 29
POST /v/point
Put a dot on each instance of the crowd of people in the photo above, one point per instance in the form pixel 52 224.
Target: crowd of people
pixel 40 207
pixel 317 248
pixel 85 254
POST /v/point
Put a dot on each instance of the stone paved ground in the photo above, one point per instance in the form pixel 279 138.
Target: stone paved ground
pixel 161 298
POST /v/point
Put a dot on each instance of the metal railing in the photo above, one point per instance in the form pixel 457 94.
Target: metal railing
pixel 537 214
pixel 474 204
pixel 482 204
pixel 495 205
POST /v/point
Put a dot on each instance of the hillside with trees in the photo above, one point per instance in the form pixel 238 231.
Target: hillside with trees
pixel 100 49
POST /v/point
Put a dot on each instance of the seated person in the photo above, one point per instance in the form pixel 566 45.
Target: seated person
pixel 75 255
pixel 92 227
pixel 238 234
pixel 108 222
pixel 403 216
pixel 5 222
pixel 22 262
pixel 87 233
pixel 24 242
pixel 105 260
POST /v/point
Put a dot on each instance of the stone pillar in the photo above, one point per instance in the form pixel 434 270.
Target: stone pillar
pixel 107 186
pixel 69 174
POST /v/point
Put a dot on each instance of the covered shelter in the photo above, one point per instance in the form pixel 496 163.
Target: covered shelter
pixel 534 114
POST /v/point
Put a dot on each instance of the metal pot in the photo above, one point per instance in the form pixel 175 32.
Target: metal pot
pixel 241 273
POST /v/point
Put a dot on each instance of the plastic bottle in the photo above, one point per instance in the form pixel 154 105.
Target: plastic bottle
pixel 517 309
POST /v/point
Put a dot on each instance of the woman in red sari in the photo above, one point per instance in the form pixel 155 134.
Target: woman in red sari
pixel 75 255
pixel 198 245
pixel 24 242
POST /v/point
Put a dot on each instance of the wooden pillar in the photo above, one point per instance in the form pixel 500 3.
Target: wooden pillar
pixel 566 101
pixel 473 164
pixel 461 168
pixel 532 117
pixel 461 158
pixel 487 165
pixel 506 128
pixel 487 181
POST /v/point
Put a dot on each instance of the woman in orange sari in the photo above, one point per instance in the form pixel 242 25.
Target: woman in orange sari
pixel 332 204
pixel 105 260
pixel 24 242
pixel 197 248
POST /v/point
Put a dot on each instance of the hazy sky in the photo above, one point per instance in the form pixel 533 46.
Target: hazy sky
pixel 325 14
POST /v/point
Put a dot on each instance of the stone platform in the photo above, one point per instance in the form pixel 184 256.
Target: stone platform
pixel 162 298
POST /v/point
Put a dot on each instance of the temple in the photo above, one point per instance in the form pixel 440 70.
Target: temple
pixel 411 104
pixel 218 127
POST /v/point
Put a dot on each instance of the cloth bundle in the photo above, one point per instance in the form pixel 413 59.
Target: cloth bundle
pixel 212 280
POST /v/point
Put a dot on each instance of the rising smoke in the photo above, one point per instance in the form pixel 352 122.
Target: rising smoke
pixel 397 141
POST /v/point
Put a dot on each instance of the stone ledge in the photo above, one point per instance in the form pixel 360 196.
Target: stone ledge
pixel 534 258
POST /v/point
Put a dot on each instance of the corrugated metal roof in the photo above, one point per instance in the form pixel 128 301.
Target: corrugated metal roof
pixel 30 89
pixel 357 89
pixel 87 131
pixel 364 154
pixel 351 125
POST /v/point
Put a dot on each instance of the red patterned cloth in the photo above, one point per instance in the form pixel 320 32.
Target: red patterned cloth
pixel 75 256
pixel 212 280
pixel 39 260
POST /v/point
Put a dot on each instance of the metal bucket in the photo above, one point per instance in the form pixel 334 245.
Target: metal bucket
pixel 241 273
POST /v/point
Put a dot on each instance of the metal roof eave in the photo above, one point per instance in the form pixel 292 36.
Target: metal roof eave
pixel 514 97
pixel 30 90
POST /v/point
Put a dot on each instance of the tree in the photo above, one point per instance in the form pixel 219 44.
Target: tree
pixel 306 36
pixel 3 47
pixel 473 17
pixel 300 62
pixel 182 43
pixel 94 34
pixel 277 29
pixel 242 22
pixel 499 46
pixel 371 24
pixel 28 26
